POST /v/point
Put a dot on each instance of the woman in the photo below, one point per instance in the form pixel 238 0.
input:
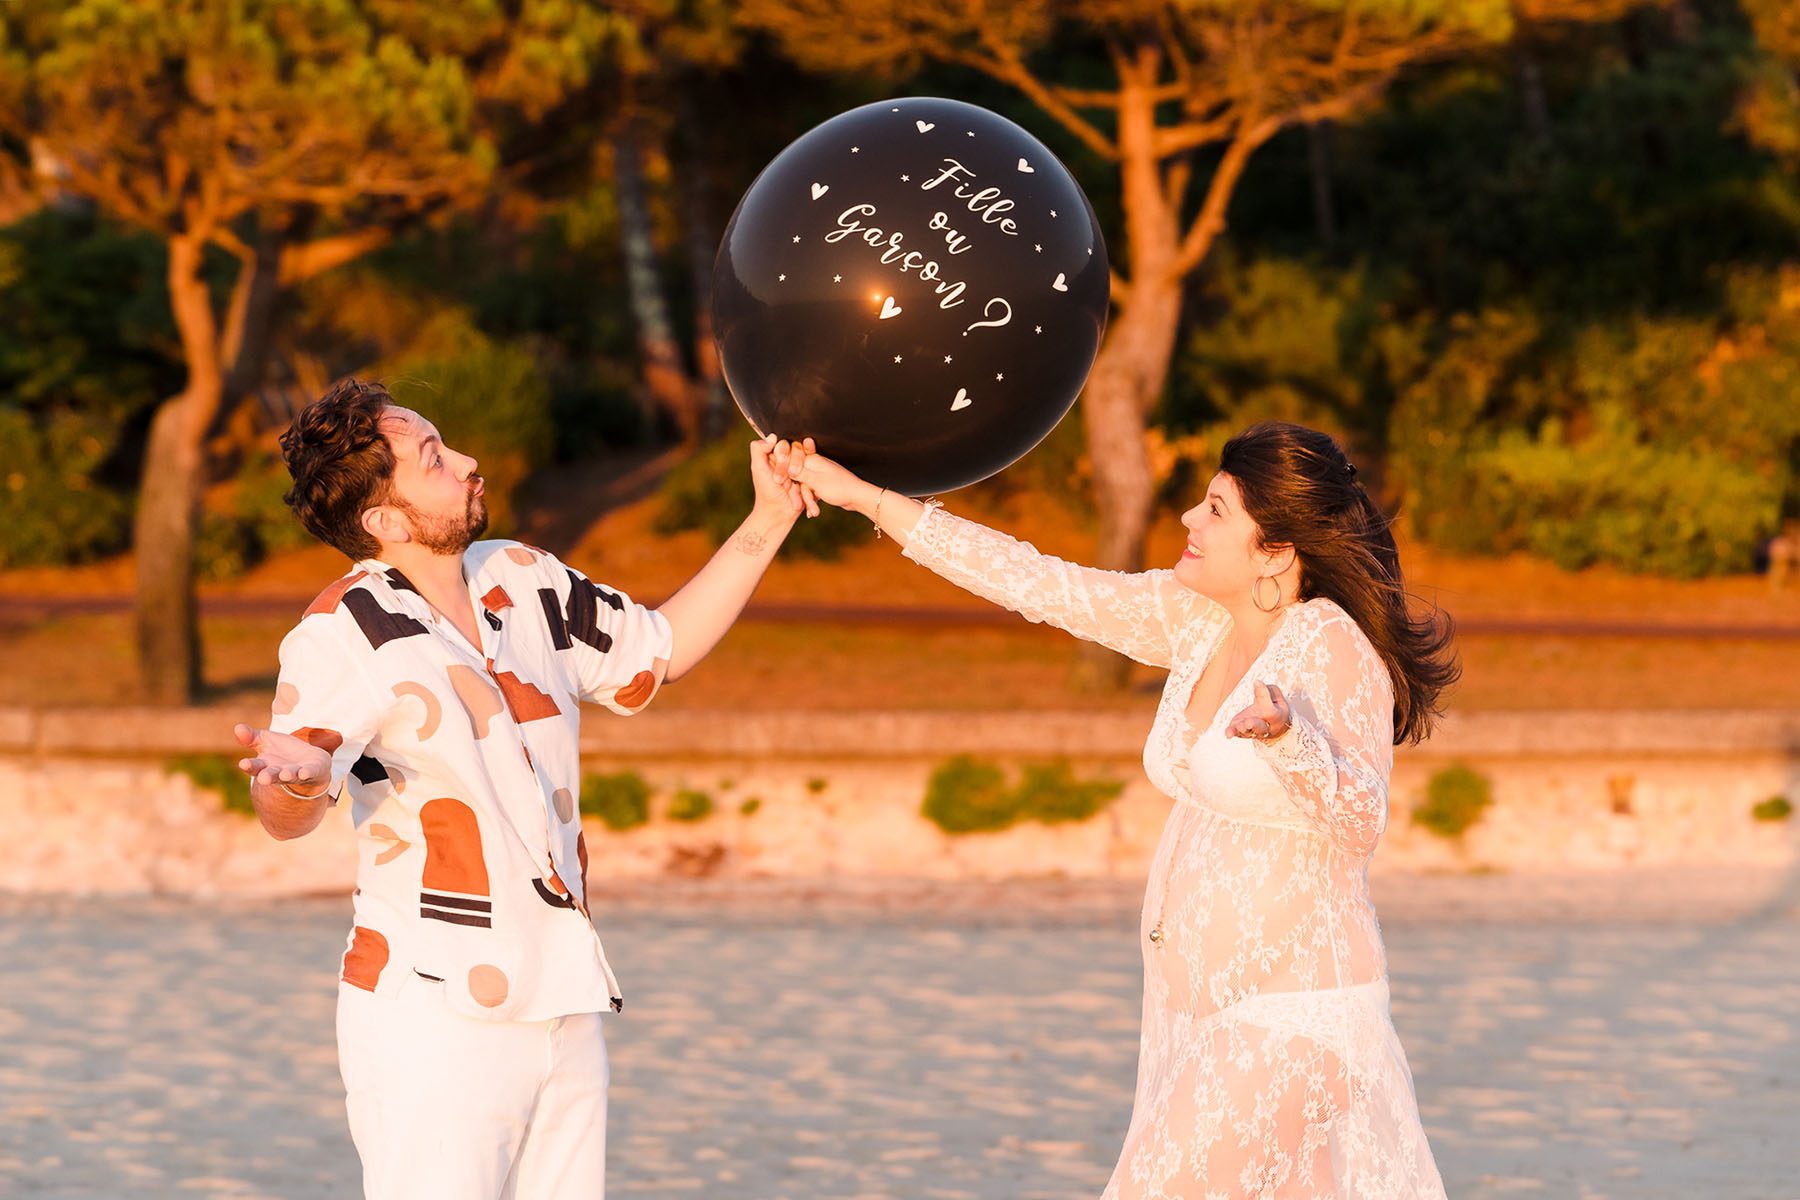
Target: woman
pixel 1269 1065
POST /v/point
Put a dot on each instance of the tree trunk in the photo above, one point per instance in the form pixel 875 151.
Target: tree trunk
pixel 249 337
pixel 702 248
pixel 1318 161
pixel 168 632
pixel 1133 364
pixel 665 382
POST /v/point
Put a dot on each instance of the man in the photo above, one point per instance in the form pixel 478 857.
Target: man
pixel 439 681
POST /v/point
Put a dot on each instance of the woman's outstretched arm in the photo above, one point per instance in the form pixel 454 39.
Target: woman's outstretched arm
pixel 1137 614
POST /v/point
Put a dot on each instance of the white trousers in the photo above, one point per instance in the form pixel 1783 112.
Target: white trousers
pixel 446 1107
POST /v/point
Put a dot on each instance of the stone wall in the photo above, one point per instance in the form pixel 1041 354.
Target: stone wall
pixel 87 804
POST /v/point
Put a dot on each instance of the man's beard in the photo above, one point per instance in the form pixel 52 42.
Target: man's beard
pixel 447 535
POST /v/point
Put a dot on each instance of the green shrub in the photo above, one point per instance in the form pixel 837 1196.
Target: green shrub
pixel 1775 808
pixel 1050 793
pixel 216 773
pixel 52 512
pixel 621 800
pixel 970 795
pixel 1455 799
pixel 749 807
pixel 712 492
pixel 690 805
pixel 817 784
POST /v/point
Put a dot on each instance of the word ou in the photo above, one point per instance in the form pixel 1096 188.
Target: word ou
pixel 850 224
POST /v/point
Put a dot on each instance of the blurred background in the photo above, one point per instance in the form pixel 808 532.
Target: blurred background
pixel 1536 263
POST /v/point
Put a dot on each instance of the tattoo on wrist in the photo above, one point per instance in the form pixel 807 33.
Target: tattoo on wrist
pixel 751 542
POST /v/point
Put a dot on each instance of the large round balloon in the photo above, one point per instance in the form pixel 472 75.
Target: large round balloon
pixel 917 284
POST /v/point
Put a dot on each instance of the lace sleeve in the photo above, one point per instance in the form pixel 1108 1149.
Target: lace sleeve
pixel 1146 615
pixel 1335 761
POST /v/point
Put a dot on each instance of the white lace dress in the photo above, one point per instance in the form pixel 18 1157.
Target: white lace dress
pixel 1269 1065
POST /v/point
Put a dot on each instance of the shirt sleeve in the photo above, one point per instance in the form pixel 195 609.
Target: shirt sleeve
pixel 1335 760
pixel 616 650
pixel 324 695
pixel 1143 615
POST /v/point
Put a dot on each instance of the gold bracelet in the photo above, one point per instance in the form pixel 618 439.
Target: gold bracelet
pixel 877 516
pixel 282 784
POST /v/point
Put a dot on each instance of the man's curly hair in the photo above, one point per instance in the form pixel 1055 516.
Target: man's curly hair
pixel 341 464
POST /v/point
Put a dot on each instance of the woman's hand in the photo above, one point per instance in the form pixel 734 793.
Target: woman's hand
pixel 1267 717
pixel 823 479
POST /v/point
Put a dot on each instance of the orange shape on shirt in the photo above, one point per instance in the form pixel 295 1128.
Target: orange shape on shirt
pixel 479 699
pixel 487 985
pixel 453 861
pixel 637 693
pixel 363 962
pixel 496 599
pixel 286 697
pixel 328 600
pixel 521 555
pixel 327 740
pixel 527 701
pixel 434 712
pixel 397 845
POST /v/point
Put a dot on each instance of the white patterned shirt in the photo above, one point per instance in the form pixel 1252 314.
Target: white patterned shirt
pixel 463 770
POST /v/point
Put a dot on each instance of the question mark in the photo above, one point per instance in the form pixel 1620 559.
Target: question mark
pixel 988 308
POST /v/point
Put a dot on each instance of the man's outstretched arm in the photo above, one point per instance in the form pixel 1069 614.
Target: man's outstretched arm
pixel 705 607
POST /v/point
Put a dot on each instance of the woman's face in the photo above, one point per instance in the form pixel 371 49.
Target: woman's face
pixel 1221 560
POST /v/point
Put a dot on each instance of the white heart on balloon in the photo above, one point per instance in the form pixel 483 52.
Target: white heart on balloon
pixel 890 309
pixel 962 400
pixel 1027 167
pixel 819 189
pixel 926 126
pixel 1061 283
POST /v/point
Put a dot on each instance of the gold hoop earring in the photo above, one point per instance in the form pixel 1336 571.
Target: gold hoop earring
pixel 1256 594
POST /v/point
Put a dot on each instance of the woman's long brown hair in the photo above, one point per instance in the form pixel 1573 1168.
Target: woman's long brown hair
pixel 1301 490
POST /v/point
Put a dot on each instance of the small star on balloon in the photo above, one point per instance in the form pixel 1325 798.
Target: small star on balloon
pixel 796 237
pixel 856 149
pixel 1053 212
pixel 1090 251
pixel 971 133
pixel 896 358
pixel 1038 246
pixel 906 179
pixel 781 279
pixel 837 279
pixel 1000 377
pixel 946 358
pixel 1037 329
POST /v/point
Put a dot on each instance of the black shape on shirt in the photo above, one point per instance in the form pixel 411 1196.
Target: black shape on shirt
pixel 399 582
pixel 369 770
pixel 581 618
pixel 378 624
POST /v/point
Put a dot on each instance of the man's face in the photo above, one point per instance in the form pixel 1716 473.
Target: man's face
pixel 436 490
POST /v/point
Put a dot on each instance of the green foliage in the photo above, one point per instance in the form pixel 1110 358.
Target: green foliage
pixel 52 512
pixel 1775 808
pixel 1050 793
pixel 690 805
pixel 621 800
pixel 750 807
pixel 488 398
pixel 712 492
pixel 817 784
pixel 216 773
pixel 1455 799
pixel 970 795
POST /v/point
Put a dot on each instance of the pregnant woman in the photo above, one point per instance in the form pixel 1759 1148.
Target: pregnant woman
pixel 1269 1065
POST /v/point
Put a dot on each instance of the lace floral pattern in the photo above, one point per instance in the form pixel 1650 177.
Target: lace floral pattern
pixel 1269 1065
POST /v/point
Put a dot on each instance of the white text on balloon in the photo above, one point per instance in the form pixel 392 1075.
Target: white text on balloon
pixel 949 293
pixel 987 203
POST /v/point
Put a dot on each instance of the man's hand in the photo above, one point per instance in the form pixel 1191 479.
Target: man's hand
pixel 777 495
pixel 278 758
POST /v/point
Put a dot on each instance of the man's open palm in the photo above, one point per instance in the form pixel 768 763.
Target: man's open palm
pixel 282 758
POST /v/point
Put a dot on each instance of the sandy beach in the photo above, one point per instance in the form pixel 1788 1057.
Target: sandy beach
pixel 1615 1034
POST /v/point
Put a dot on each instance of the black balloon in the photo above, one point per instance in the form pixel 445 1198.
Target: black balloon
pixel 919 285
